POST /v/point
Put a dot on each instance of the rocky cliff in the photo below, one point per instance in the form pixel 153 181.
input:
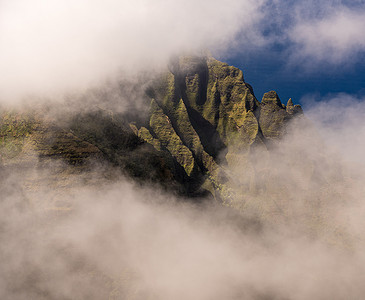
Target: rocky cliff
pixel 204 120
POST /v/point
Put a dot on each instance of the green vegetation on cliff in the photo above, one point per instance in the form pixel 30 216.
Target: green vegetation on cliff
pixel 203 119
pixel 205 115
pixel 13 132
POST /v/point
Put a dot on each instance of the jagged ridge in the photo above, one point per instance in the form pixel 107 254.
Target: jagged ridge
pixel 204 118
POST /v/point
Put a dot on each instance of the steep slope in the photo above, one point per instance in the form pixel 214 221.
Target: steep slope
pixel 204 121
pixel 214 119
pixel 88 149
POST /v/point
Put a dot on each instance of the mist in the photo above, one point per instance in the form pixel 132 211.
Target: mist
pixel 293 230
pixel 51 48
pixel 297 235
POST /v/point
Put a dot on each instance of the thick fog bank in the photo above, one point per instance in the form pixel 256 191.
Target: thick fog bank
pixel 303 237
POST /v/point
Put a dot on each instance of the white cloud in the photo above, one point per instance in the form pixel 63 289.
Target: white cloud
pixel 53 46
pixel 311 32
pixel 303 238
pixel 49 47
pixel 340 120
pixel 334 38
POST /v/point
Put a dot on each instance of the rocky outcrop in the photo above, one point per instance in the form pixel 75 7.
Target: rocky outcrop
pixel 207 117
pixel 204 119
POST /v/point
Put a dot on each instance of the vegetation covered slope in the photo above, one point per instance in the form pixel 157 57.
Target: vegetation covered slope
pixel 203 119
pixel 208 119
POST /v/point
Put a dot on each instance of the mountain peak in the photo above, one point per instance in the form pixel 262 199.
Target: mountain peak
pixel 203 117
pixel 271 98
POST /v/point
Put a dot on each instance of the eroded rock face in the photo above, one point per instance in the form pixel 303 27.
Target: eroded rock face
pixel 204 119
pixel 205 106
